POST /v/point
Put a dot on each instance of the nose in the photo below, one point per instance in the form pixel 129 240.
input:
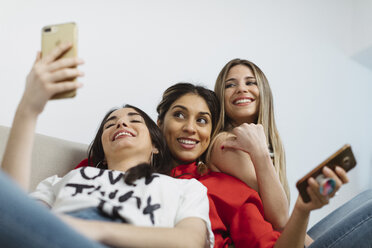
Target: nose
pixel 121 123
pixel 242 87
pixel 189 126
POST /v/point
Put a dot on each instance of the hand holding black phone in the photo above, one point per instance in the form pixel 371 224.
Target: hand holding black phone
pixel 344 158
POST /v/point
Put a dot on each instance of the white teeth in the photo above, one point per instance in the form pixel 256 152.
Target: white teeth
pixel 242 101
pixel 123 133
pixel 187 142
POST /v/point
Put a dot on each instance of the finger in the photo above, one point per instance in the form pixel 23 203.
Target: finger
pixel 65 63
pixel 341 173
pixel 65 74
pixel 64 86
pixel 57 52
pixel 38 57
pixel 314 199
pixel 319 199
pixel 230 144
pixel 314 185
pixel 331 174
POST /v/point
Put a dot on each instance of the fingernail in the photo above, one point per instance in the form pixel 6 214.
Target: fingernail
pixel 222 147
pixel 326 168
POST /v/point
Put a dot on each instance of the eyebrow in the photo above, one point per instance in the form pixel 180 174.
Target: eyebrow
pixel 133 114
pixel 184 108
pixel 114 117
pixel 232 79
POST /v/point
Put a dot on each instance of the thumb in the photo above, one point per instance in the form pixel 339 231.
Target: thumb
pixel 230 144
pixel 38 57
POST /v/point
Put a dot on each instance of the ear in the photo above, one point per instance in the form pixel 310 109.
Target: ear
pixel 158 122
pixel 155 150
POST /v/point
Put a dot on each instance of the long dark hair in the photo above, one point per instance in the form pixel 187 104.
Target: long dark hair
pixel 160 161
pixel 178 90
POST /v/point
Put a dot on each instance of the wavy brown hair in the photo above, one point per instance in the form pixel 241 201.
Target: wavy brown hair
pixel 178 90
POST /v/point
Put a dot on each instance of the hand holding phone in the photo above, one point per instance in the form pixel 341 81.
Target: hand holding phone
pixel 54 35
pixel 344 158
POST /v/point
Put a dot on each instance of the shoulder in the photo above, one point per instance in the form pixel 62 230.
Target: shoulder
pixel 219 180
pixel 187 184
pixel 229 189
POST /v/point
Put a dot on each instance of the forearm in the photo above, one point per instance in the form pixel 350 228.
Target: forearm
pixel 271 191
pixel 17 157
pixel 123 235
pixel 190 232
pixel 294 232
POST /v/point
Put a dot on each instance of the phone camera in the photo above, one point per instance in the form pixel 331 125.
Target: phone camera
pixel 47 29
pixel 346 161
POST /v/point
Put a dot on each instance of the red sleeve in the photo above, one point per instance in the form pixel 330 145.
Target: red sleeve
pixel 83 163
pixel 249 228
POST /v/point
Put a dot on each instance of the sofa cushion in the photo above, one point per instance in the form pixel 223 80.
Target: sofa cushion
pixel 50 156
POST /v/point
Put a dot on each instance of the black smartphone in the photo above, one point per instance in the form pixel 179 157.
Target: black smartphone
pixel 344 158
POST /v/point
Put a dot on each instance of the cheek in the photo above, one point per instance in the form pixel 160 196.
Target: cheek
pixel 206 134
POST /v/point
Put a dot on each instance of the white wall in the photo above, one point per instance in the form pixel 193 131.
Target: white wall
pixel 134 50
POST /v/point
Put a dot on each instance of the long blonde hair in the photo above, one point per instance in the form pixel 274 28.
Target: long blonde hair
pixel 265 116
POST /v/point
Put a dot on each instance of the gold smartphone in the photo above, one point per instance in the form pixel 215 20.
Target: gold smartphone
pixel 344 157
pixel 54 35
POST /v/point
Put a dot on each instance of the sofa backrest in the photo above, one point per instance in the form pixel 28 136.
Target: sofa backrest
pixel 50 155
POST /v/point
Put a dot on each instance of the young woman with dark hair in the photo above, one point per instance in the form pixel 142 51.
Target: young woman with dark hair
pixel 125 200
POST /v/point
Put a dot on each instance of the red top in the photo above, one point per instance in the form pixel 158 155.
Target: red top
pixel 235 210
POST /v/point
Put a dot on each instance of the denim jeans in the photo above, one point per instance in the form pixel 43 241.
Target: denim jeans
pixel 348 226
pixel 26 223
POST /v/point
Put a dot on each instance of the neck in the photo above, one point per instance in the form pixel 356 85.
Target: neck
pixel 250 120
pixel 176 163
pixel 123 164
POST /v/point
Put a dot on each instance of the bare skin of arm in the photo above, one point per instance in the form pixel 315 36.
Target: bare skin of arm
pixel 189 232
pixel 254 167
pixel 40 87
pixel 294 232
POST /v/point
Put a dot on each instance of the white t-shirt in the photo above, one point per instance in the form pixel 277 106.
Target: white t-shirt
pixel 162 201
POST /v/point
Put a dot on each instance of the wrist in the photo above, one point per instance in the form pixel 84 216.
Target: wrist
pixel 25 110
pixel 261 157
pixel 300 209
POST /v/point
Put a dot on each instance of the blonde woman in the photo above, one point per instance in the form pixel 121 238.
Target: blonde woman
pixel 245 97
pixel 247 112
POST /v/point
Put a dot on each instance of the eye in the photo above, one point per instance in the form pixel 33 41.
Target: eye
pixel 136 121
pixel 203 120
pixel 109 125
pixel 229 85
pixel 179 114
pixel 251 83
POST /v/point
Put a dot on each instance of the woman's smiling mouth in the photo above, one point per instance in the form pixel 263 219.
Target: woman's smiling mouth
pixel 187 143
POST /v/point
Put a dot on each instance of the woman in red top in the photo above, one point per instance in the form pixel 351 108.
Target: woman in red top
pixel 247 111
pixel 187 118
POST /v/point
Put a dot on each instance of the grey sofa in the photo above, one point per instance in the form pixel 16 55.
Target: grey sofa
pixel 50 155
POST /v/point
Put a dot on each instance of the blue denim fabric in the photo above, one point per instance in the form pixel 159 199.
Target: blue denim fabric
pixel 92 214
pixel 26 223
pixel 348 226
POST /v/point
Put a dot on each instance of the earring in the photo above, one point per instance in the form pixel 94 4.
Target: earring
pixel 99 164
pixel 202 168
pixel 152 159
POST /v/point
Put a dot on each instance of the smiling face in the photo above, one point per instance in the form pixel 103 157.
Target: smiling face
pixel 126 136
pixel 242 96
pixel 187 127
